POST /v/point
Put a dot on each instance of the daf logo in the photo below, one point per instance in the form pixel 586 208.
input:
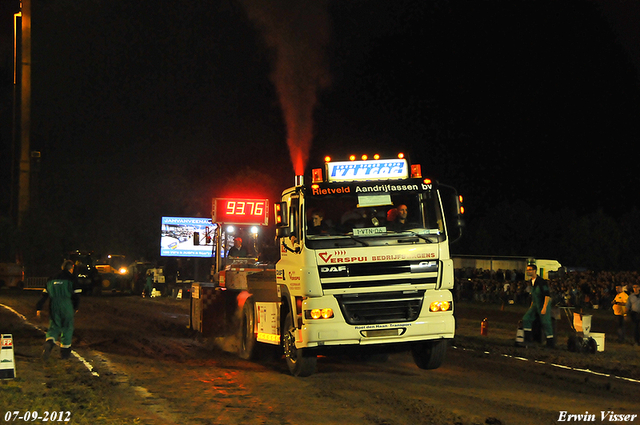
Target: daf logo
pixel 333 269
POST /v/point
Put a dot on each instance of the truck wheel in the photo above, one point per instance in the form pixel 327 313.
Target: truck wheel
pixel 429 354
pixel 299 364
pixel 247 349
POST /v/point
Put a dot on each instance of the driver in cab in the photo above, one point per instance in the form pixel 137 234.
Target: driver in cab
pixel 400 221
pixel 237 250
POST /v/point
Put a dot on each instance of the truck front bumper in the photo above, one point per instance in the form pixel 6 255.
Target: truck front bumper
pixel 336 331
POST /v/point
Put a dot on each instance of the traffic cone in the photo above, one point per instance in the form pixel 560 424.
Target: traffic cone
pixel 7 359
pixel 179 296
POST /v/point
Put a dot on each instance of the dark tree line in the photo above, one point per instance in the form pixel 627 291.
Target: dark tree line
pixel 594 240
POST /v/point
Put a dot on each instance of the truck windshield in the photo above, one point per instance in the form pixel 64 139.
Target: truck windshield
pixel 373 219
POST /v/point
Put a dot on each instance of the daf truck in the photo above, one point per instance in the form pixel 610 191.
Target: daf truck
pixel 364 265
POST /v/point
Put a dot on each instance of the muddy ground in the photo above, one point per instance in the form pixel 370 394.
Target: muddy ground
pixel 158 371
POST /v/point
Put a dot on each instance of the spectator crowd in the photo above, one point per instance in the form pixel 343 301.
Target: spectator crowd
pixel 584 289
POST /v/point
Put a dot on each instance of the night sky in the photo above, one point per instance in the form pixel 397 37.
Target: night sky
pixel 150 108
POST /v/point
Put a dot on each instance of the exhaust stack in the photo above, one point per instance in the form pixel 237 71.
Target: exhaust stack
pixel 299 180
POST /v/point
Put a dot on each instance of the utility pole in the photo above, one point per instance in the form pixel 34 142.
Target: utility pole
pixel 22 111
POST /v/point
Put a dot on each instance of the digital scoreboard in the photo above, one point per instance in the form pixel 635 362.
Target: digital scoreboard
pixel 240 211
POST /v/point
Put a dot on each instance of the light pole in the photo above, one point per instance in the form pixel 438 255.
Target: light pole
pixel 22 105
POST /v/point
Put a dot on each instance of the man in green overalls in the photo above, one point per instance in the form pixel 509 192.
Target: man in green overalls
pixel 540 308
pixel 64 300
pixel 148 288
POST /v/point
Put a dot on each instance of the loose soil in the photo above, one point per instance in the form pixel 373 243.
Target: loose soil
pixel 152 369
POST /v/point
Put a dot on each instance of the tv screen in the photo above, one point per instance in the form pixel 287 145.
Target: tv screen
pixel 187 237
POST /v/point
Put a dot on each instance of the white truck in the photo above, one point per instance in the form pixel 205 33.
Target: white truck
pixel 364 277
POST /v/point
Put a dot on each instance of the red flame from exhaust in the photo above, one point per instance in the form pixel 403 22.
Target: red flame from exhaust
pixel 298 31
pixel 298 115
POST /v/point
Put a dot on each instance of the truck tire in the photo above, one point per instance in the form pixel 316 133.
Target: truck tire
pixel 429 354
pixel 299 363
pixel 248 349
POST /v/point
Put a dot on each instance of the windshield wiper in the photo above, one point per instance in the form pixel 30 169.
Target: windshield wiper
pixel 424 238
pixel 351 237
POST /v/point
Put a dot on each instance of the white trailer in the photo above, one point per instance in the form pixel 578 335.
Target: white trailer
pixel 497 262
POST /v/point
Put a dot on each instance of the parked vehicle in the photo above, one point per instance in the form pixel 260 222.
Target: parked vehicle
pixel 11 275
pixel 89 279
pixel 114 273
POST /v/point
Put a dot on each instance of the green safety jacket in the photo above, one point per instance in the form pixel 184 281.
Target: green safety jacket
pixel 63 295
pixel 538 293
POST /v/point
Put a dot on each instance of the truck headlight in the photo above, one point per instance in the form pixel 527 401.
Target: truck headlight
pixel 440 306
pixel 319 313
pixel 123 270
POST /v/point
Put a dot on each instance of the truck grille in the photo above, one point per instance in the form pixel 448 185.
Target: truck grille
pixel 344 276
pixel 386 307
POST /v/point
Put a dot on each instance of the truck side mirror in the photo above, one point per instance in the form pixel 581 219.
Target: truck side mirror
pixel 283 232
pixel 459 216
pixel 454 211
pixel 282 220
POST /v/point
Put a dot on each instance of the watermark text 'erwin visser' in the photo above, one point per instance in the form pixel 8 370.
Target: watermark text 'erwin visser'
pixel 604 416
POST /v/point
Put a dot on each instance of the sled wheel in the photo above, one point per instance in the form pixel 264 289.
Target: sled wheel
pixel 248 342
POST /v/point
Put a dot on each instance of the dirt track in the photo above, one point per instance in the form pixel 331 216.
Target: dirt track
pixel 164 373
